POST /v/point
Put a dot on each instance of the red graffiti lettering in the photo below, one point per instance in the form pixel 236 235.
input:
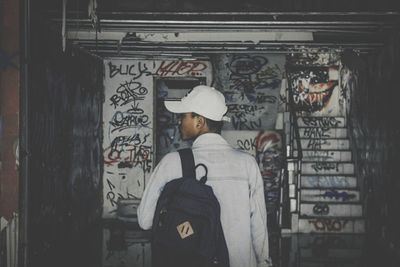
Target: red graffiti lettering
pixel 193 68
pixel 329 225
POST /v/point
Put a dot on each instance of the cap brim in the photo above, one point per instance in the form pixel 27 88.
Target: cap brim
pixel 225 118
pixel 176 106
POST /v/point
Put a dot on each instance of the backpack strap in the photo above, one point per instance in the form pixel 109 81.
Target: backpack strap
pixel 187 161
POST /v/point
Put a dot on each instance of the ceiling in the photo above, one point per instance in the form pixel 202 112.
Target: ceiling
pixel 119 31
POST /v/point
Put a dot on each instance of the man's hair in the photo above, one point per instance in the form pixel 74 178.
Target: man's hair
pixel 213 126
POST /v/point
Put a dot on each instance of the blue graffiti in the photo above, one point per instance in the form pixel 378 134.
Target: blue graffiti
pixel 338 195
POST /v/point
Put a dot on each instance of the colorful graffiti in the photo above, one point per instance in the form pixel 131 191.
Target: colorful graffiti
pixel 313 87
pixel 269 157
pixel 338 195
pixel 181 68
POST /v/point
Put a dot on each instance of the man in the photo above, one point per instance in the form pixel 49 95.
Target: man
pixel 234 176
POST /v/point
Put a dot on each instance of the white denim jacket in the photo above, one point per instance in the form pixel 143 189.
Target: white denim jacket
pixel 237 183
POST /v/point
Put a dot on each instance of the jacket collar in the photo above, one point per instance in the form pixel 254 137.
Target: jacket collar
pixel 209 139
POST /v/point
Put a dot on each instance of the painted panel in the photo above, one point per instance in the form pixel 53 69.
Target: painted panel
pixel 316 90
pixel 128 131
pixel 251 85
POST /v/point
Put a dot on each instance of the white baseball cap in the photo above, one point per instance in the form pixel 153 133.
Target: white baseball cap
pixel 203 100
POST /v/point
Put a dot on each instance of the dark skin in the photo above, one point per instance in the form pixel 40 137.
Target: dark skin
pixel 192 127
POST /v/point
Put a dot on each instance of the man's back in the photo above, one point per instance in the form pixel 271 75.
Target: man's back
pixel 237 184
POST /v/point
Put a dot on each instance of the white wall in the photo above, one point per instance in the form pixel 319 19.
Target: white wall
pixel 129 123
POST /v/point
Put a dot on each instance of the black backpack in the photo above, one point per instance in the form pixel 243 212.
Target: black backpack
pixel 187 230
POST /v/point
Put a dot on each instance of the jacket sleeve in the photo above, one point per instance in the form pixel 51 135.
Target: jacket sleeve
pixel 168 169
pixel 258 216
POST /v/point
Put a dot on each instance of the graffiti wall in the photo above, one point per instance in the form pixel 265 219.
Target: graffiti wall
pixel 251 85
pixel 127 132
pixel 314 81
pixel 130 121
pixel 138 131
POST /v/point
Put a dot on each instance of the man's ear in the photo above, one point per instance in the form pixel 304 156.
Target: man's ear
pixel 202 125
pixel 201 122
